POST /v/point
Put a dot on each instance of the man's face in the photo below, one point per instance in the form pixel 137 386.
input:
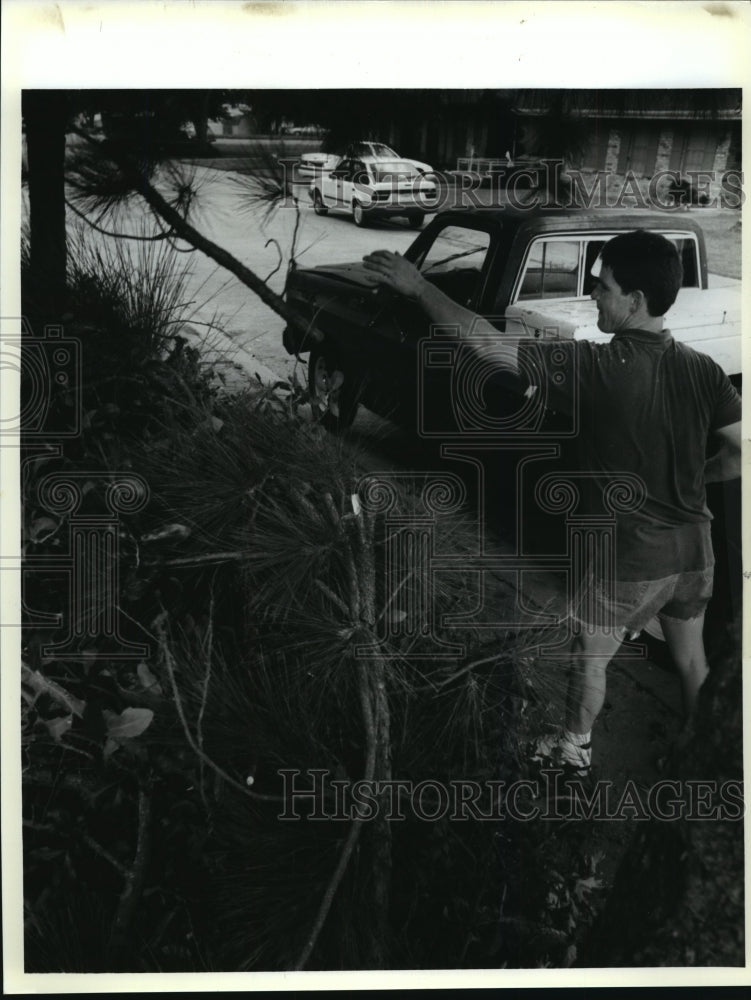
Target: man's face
pixel 614 307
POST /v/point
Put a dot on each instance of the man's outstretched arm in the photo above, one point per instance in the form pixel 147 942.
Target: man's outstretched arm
pixel 393 271
pixel 726 463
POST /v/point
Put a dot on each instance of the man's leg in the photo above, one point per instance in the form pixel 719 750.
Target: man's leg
pixel 590 654
pixel 686 644
pixel 591 651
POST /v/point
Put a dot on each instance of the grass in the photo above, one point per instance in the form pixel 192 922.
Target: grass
pixel 722 232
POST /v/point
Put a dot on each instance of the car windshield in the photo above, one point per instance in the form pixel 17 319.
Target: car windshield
pixel 386 170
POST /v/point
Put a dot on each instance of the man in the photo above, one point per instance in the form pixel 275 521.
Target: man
pixel 649 408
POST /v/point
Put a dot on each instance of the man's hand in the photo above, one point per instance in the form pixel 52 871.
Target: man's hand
pixel 393 271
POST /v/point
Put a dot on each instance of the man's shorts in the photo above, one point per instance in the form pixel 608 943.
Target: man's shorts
pixel 631 604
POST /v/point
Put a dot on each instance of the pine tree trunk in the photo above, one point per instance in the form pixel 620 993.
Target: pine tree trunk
pixel 45 119
pixel 201 118
pixel 377 839
pixel 379 830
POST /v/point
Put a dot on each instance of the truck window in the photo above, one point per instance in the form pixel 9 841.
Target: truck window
pixel 594 247
pixel 551 270
pixel 685 245
pixel 687 249
pixel 454 262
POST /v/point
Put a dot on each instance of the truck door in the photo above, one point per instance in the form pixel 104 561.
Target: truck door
pixel 457 261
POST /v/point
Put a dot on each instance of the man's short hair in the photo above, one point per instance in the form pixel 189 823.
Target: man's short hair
pixel 646 262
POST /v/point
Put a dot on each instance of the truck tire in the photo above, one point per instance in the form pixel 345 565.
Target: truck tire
pixel 334 394
pixel 318 206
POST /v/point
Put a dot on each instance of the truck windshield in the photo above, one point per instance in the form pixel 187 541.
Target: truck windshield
pixel 454 263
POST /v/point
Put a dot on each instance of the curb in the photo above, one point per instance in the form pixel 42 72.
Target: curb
pixel 218 348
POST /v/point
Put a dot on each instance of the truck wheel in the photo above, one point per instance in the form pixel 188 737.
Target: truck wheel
pixel 416 220
pixel 318 206
pixel 358 214
pixel 333 391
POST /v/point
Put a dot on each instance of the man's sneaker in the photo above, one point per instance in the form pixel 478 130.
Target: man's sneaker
pixel 560 751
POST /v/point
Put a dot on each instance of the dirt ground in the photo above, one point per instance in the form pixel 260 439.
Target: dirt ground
pixel 632 736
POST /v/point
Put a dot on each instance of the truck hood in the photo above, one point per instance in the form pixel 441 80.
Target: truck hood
pixel 347 274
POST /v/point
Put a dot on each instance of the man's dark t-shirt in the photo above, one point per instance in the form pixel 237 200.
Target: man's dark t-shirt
pixel 645 405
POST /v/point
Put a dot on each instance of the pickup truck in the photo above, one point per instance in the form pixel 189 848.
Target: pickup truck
pixel 528 273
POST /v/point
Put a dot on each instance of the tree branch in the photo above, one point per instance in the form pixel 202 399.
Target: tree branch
pixel 41 685
pixel 117 236
pixel 161 633
pixel 206 682
pixel 279 262
pixel 190 234
pixel 355 829
pixel 210 557
pixel 131 893
pixel 104 853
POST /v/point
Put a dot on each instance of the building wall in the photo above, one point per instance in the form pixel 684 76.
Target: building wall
pixel 664 149
pixel 613 151
pixel 466 125
pixel 721 154
pixel 673 146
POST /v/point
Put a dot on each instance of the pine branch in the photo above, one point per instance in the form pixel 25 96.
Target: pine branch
pixel 41 685
pixel 131 893
pixel 459 673
pixel 279 262
pixel 168 660
pixel 185 231
pixel 56 780
pixel 208 655
pixel 375 714
pixel 104 853
pixel 334 598
pixel 210 557
pixel 355 829
pixel 117 236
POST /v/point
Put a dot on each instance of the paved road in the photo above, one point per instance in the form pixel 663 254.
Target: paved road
pixel 263 241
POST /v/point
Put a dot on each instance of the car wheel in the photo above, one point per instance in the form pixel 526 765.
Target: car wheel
pixel 318 206
pixel 358 214
pixel 333 391
pixel 416 220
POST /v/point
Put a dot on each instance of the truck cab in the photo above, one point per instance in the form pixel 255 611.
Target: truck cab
pixel 528 273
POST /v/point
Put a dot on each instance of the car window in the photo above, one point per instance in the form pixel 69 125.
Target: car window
pixel 360 172
pixel 551 270
pixel 454 262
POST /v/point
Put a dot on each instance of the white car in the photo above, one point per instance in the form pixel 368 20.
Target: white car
pixel 381 152
pixel 313 163
pixel 367 187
